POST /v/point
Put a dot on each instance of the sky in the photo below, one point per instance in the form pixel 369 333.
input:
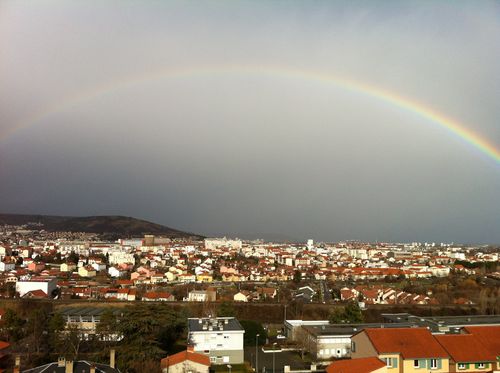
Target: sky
pixel 187 114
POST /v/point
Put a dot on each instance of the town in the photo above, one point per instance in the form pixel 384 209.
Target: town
pixel 233 305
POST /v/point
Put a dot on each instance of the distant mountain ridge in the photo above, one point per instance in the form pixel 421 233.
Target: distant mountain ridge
pixel 114 224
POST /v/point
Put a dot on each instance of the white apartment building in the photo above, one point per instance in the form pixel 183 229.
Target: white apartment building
pixel 215 243
pixel 121 257
pixel 219 338
pixel 47 285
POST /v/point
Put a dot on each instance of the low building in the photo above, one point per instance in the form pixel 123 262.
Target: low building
pixel 69 366
pixel 325 342
pixel 202 296
pixel 186 361
pixel 221 339
pixel 86 319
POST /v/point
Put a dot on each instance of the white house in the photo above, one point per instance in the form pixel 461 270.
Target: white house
pixel 219 338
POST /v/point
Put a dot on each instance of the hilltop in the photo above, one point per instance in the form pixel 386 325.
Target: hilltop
pixel 120 225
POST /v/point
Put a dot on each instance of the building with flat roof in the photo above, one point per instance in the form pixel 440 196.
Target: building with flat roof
pixel 220 338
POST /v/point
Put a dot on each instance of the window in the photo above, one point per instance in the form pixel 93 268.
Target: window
pixel 434 363
pixel 388 362
pixel 416 364
pixel 480 365
pixel 353 346
pixel 461 366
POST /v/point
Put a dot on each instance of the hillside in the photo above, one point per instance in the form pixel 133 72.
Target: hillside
pixel 120 225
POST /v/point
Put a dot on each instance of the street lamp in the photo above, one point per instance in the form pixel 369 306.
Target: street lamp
pixel 229 367
pixel 274 357
pixel 257 353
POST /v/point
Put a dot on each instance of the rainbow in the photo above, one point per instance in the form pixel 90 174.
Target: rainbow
pixel 453 127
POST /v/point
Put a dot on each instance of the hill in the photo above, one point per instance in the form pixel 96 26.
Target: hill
pixel 118 225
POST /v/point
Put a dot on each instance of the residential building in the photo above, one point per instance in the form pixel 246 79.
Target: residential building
pixel 467 353
pixel 404 350
pixel 202 296
pixel 186 361
pixel 219 338
pixel 362 365
pixel 46 284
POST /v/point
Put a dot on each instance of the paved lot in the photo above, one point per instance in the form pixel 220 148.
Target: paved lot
pixel 283 358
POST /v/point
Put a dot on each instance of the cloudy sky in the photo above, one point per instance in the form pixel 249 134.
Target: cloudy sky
pixel 183 113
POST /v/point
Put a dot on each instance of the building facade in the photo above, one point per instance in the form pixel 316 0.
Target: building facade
pixel 219 338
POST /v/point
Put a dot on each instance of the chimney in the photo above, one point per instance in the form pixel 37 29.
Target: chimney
pixel 69 366
pixel 17 366
pixel 190 349
pixel 92 368
pixel 112 358
pixel 61 361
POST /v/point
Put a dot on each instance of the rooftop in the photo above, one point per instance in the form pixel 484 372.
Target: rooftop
pixel 214 324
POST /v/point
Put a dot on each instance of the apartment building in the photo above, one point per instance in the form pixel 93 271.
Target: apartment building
pixel 220 338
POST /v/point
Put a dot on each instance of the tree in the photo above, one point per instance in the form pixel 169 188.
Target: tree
pixel 149 332
pixel 297 276
pixel 226 309
pixel 13 325
pixel 107 328
pixel 252 328
pixel 351 313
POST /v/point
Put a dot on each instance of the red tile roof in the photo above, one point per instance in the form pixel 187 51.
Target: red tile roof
pixel 411 343
pixel 4 345
pixel 488 335
pixel 465 348
pixel 183 356
pixel 363 365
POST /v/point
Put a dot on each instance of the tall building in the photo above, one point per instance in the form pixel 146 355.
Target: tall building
pixel 220 338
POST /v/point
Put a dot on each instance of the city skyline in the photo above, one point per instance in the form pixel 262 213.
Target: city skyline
pixel 287 120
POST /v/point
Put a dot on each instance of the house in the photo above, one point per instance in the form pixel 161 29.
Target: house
pixel 158 296
pixel 305 294
pixel 467 353
pixel 202 296
pixel 403 349
pixel 362 365
pixel 241 296
pixel 186 361
pixel 221 339
pixel 67 267
pixel 86 271
pixel 489 336
pixel 35 294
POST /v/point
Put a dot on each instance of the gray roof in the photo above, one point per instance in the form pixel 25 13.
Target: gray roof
pixel 435 323
pixel 347 329
pixel 80 366
pixel 216 324
pixel 86 311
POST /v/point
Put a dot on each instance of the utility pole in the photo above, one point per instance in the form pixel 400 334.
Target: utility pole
pixel 257 353
pixel 274 357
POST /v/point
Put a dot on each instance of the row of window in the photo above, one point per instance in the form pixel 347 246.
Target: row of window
pixel 330 352
pixel 476 365
pixel 417 363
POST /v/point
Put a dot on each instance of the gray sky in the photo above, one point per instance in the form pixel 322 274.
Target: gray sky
pixel 253 154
